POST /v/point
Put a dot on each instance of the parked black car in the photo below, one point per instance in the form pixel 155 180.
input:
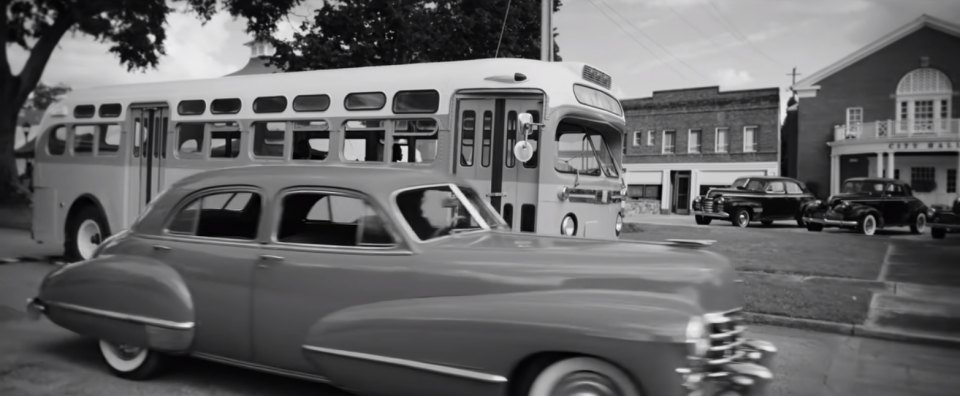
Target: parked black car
pixel 869 204
pixel 755 198
pixel 944 219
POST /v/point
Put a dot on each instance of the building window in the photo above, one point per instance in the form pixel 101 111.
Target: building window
pixel 643 191
pixel 951 180
pixel 750 139
pixel 923 97
pixel 693 144
pixel 650 138
pixel 637 138
pixel 923 115
pixel 896 174
pixel 669 142
pixel 854 120
pixel 923 178
pixel 721 140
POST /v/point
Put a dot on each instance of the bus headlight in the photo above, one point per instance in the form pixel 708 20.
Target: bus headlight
pixel 619 225
pixel 568 226
pixel 697 337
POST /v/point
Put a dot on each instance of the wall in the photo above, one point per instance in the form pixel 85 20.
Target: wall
pixel 870 83
pixel 941 163
pixel 641 206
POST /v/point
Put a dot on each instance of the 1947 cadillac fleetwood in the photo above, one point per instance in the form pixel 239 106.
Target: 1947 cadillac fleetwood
pixel 388 281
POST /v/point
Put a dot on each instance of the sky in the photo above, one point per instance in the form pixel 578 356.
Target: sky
pixel 646 45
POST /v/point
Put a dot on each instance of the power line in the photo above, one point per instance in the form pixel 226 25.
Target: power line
pixel 632 37
pixel 732 29
pixel 664 49
pixel 502 27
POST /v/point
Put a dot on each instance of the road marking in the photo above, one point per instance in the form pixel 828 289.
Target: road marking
pixel 886 263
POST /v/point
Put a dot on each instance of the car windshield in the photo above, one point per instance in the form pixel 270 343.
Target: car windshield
pixel 436 211
pixel 862 186
pixel 584 152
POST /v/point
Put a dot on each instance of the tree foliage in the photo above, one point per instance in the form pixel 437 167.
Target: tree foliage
pixel 135 30
pixel 352 33
pixel 44 95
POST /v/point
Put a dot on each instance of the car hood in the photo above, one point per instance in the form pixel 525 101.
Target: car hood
pixel 696 275
pixel 722 191
pixel 834 199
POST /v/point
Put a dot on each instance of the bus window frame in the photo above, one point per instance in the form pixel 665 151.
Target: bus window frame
pixel 50 132
pixel 287 134
pixel 227 126
pixel 93 144
pixel 294 128
pixel 201 152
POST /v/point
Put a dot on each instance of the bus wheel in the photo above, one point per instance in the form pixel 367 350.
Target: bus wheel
pixel 85 230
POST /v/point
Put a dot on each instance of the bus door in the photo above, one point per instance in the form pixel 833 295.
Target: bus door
pixel 150 141
pixel 487 131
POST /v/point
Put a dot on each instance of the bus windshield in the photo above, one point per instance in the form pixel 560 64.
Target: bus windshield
pixel 583 152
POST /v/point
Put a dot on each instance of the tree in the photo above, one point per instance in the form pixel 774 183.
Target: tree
pixel 352 33
pixel 134 28
pixel 44 95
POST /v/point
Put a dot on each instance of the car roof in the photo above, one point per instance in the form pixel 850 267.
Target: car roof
pixel 369 178
pixel 768 178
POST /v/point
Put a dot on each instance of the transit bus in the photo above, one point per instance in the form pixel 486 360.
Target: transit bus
pixel 542 141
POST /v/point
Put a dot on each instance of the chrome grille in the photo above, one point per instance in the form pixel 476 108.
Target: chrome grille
pixel 726 334
pixel 707 205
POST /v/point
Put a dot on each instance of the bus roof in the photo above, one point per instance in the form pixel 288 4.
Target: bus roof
pixel 556 79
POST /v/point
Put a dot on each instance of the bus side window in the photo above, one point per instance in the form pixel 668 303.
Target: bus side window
pixel 486 138
pixel 224 144
pixel 136 137
pixel 363 146
pixel 535 140
pixel 190 140
pixel 83 139
pixel 311 145
pixel 467 132
pixel 415 141
pixel 57 140
pixel 268 139
pixel 108 139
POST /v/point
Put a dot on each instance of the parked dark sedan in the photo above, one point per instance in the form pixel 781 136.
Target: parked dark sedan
pixel 757 198
pixel 869 204
pixel 392 281
pixel 944 219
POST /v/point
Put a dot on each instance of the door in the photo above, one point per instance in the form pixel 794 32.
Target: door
pixel 487 132
pixel 681 192
pixel 150 150
pixel 795 199
pixel 895 205
pixel 775 202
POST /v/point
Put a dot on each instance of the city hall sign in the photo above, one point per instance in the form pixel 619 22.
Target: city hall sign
pixel 924 146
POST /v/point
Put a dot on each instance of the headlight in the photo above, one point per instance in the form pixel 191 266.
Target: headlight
pixel 568 226
pixel 841 205
pixel 698 339
pixel 720 199
pixel 817 203
pixel 619 224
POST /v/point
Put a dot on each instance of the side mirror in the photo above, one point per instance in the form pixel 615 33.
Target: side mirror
pixel 524 123
pixel 524 150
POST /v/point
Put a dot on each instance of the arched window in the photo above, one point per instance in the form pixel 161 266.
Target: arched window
pixel 923 101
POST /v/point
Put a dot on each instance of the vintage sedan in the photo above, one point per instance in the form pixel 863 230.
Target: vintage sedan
pixel 944 219
pixel 755 198
pixel 869 204
pixel 389 281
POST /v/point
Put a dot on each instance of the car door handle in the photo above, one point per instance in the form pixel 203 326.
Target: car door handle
pixel 265 258
pixel 161 248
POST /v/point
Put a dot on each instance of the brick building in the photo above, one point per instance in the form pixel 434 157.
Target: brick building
pixel 888 109
pixel 682 142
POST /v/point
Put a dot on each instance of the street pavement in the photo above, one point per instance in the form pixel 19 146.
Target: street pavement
pixel 38 358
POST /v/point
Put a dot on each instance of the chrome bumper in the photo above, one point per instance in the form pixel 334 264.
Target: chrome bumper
pixel 35 308
pixel 830 222
pixel 948 227
pixel 718 215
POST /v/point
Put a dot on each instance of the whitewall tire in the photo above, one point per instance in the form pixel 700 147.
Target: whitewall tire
pixel 86 229
pixel 582 376
pixel 868 224
pixel 130 362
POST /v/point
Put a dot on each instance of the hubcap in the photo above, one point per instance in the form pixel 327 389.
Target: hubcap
pixel 921 222
pixel 585 383
pixel 742 219
pixel 88 238
pixel 126 352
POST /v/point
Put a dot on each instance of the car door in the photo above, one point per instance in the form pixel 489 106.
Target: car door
pixel 794 200
pixel 211 242
pixel 330 249
pixel 895 205
pixel 774 200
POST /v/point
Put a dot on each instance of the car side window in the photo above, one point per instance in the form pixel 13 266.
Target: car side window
pixel 330 218
pixel 793 188
pixel 775 187
pixel 232 215
pixel 895 190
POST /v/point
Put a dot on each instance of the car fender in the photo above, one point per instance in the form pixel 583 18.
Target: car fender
pixel 736 203
pixel 857 211
pixel 472 344
pixel 125 299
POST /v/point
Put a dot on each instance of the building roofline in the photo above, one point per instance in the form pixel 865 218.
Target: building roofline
pixel 809 83
pixel 716 88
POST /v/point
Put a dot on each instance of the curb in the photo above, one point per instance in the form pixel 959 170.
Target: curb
pixel 848 329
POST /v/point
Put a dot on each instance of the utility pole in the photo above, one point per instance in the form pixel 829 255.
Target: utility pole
pixel 546 30
pixel 794 75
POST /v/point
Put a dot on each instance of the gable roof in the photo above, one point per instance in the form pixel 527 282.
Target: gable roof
pixel 806 87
